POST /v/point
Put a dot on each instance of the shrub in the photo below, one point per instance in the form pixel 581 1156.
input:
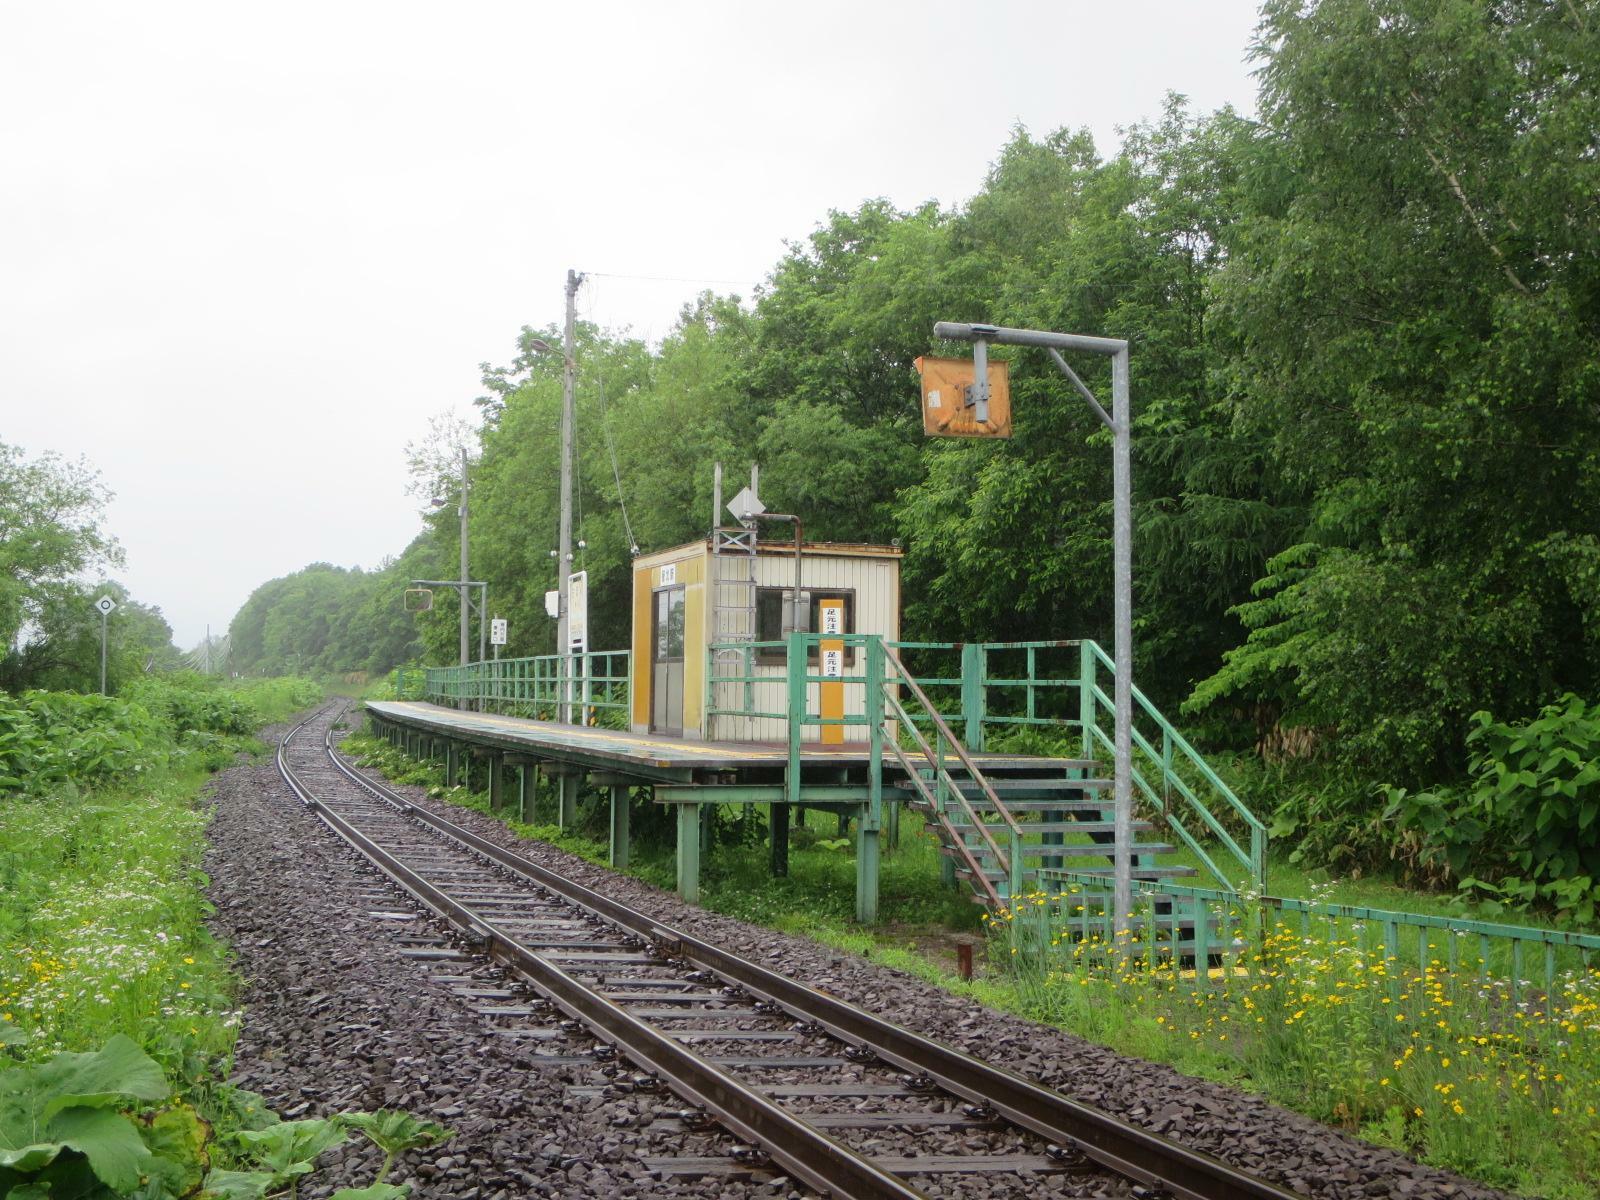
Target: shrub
pixel 1524 830
pixel 48 738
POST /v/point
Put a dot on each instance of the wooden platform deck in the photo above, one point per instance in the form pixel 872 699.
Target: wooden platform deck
pixel 652 756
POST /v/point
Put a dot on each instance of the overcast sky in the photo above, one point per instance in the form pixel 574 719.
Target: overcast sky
pixel 247 250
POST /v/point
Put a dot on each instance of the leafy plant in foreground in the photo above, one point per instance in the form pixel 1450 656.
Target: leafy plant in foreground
pixel 62 1131
pixel 1527 828
pixel 396 1132
pixel 82 1126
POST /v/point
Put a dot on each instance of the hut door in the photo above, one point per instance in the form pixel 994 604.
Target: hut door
pixel 666 675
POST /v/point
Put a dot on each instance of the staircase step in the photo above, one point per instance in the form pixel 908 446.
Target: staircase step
pixel 1145 872
pixel 1138 872
pixel 1044 850
pixel 1058 826
pixel 1036 850
pixel 1021 784
pixel 1016 806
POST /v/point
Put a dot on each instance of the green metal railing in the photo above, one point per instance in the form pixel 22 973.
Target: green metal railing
pixel 594 682
pixel 946 794
pixel 885 716
pixel 748 655
pixel 1211 926
pixel 1007 684
pixel 1171 775
pixel 410 683
pixel 995 687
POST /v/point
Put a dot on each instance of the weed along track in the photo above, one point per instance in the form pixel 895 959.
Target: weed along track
pixel 752 1075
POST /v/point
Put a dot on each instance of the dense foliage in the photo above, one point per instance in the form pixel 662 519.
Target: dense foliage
pixel 50 539
pixel 1529 819
pixel 326 620
pixel 178 722
pixel 1366 386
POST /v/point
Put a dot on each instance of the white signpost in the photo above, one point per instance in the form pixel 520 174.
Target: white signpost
pixel 497 635
pixel 104 605
pixel 578 612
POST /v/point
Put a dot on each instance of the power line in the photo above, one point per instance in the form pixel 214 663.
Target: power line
pixel 611 449
pixel 676 279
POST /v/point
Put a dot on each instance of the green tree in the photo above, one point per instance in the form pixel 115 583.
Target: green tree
pixel 1407 318
pixel 50 511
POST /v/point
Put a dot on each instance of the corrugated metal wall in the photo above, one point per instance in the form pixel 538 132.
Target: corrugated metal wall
pixel 876 584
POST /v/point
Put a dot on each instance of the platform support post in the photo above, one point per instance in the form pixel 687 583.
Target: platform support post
pixel 449 764
pixel 567 786
pixel 778 826
pixel 522 792
pixel 689 853
pixel 496 796
pixel 891 824
pixel 619 827
pixel 795 657
pixel 708 817
pixel 866 868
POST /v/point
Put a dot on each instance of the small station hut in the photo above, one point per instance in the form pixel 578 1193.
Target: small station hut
pixel 707 617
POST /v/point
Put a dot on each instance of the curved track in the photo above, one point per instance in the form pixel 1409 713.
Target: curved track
pixel 749 1048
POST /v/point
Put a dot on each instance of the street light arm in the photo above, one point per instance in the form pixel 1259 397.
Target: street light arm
pixel 1083 389
pixel 962 331
pixel 1119 421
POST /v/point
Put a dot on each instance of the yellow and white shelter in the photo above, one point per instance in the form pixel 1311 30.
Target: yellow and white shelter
pixel 696 605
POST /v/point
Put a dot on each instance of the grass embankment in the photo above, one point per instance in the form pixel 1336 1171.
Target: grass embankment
pixel 1461 1076
pixel 102 904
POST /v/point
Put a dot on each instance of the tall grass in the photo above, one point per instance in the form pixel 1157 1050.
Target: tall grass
pixel 1463 1067
pixel 102 924
pixel 102 900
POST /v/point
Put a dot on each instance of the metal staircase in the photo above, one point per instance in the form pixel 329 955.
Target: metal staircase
pixel 1000 822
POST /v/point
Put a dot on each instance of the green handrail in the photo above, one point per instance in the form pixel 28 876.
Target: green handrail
pixel 1167 771
pixel 598 680
pixel 1093 699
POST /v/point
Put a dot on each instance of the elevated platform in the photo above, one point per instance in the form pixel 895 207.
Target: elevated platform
pixel 656 758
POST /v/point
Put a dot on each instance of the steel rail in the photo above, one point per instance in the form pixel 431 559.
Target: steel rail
pixel 1137 1153
pixel 799 1149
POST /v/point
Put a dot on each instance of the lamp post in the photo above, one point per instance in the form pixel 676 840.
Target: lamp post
pixel 1118 421
pixel 564 548
pixel 466 576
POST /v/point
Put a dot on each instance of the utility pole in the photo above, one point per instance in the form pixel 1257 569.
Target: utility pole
pixel 564 546
pixel 465 578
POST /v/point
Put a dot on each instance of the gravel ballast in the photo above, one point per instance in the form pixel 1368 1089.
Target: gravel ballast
pixel 337 1017
pixel 1248 1131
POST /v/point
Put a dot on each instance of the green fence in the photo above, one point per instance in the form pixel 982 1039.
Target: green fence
pixel 591 683
pixel 410 683
pixel 1242 934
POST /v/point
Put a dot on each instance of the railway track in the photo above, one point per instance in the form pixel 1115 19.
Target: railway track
pixel 744 1047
